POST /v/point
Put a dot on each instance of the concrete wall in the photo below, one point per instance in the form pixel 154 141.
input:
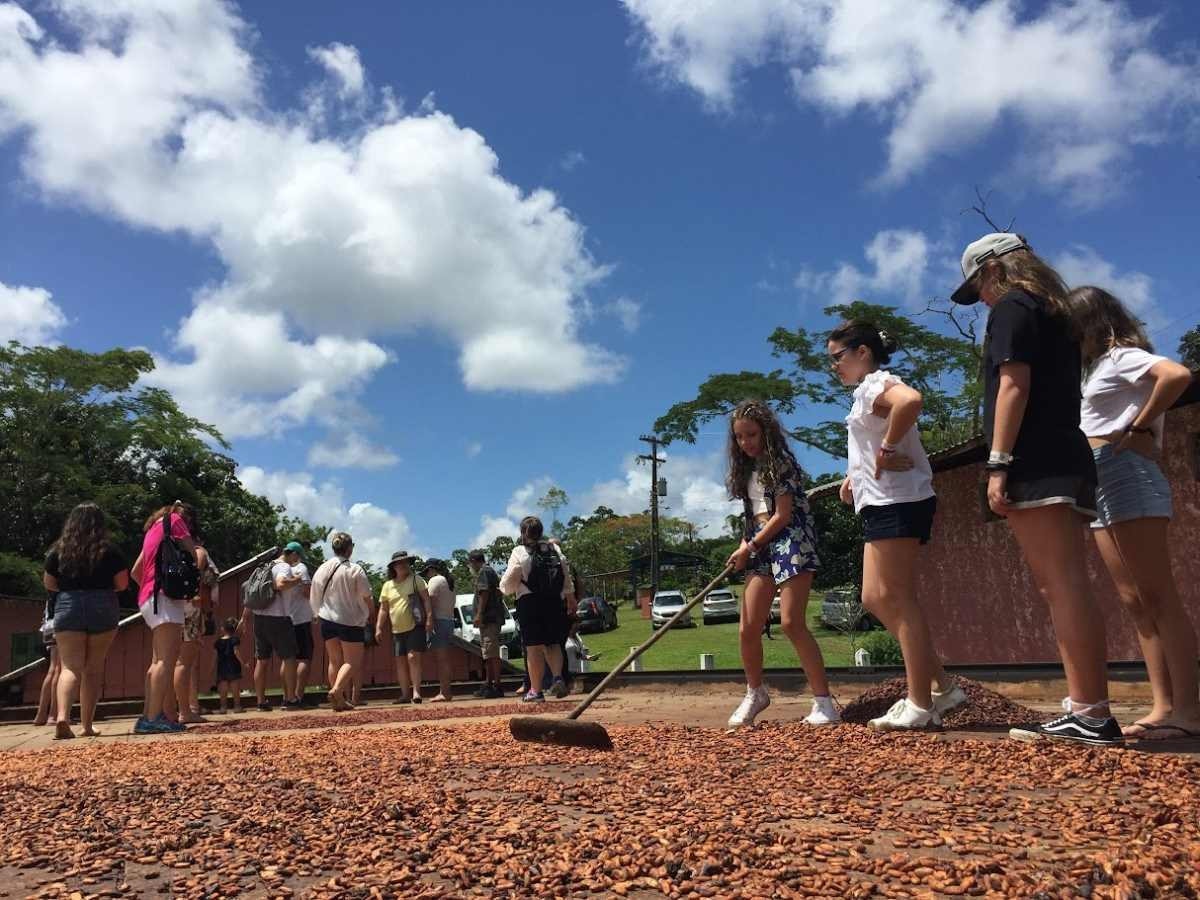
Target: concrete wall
pixel 977 591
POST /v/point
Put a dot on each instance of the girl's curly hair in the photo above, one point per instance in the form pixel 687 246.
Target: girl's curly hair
pixel 777 460
pixel 83 542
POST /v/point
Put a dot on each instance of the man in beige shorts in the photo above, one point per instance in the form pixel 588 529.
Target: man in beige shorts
pixel 488 617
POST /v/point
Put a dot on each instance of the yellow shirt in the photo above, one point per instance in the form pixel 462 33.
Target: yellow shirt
pixel 395 595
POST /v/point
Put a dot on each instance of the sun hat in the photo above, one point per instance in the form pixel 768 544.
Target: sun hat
pixel 399 556
pixel 977 253
pixel 432 563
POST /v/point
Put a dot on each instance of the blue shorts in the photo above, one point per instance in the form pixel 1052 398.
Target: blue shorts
pixel 1131 486
pixel 443 630
pixel 92 612
pixel 793 551
pixel 411 641
pixel 913 519
pixel 336 631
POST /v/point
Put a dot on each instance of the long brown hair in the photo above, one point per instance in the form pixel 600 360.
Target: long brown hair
pixel 1026 271
pixel 1102 322
pixel 777 459
pixel 532 531
pixel 83 541
pixel 185 510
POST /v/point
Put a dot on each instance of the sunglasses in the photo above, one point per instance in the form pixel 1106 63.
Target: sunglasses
pixel 835 359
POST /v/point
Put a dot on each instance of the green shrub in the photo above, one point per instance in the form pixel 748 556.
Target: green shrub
pixel 884 649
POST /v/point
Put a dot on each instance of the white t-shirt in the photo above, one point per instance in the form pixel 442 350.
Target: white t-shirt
pixel 756 493
pixel 340 589
pixel 279 605
pixel 514 577
pixel 1116 390
pixel 441 596
pixel 865 432
pixel 297 604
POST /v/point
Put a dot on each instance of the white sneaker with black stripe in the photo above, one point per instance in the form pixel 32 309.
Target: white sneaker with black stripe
pixel 1074 727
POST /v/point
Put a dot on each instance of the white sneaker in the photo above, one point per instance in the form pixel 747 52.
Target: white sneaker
pixel 944 701
pixel 756 700
pixel 906 716
pixel 823 712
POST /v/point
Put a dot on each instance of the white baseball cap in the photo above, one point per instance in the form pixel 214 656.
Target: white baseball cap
pixel 977 253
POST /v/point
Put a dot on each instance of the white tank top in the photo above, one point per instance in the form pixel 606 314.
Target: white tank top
pixel 757 495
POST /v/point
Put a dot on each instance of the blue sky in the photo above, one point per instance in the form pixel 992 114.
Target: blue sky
pixel 418 261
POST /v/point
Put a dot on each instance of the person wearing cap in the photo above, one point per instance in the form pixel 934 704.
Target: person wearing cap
pixel 1041 475
pixel 300 612
pixel 406 611
pixel 488 616
pixel 440 584
pixel 341 596
pixel 274 634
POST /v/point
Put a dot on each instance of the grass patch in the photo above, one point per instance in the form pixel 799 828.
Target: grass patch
pixel 681 648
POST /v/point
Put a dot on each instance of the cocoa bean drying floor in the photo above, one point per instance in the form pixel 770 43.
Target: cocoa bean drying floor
pixel 427 810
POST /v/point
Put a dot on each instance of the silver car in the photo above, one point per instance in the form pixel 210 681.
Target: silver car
pixel 720 606
pixel 665 605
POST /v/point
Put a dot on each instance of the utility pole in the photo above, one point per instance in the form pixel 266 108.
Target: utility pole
pixel 653 458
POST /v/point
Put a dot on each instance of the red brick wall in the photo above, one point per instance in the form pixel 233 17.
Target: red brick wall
pixel 129 656
pixel 976 588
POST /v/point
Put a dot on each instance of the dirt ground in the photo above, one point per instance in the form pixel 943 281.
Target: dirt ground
pixel 386 803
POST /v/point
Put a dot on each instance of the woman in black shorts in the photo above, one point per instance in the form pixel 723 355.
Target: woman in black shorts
pixel 1041 475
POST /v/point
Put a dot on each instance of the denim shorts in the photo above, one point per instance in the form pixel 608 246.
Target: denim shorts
pixel 336 631
pixel 92 612
pixel 443 630
pixel 411 641
pixel 1131 486
pixel 899 520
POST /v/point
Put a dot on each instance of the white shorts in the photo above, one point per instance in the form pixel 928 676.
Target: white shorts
pixel 170 612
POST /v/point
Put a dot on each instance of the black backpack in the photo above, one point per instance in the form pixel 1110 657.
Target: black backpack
pixel 175 571
pixel 545 580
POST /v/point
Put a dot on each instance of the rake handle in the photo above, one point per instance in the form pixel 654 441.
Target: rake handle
pixel 647 644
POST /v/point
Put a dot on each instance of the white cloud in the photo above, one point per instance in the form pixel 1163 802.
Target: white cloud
pixel 1082 81
pixel 695 485
pixel 474 448
pixel 350 451
pixel 627 312
pixel 248 377
pixel 899 263
pixel 377 532
pixel 572 160
pixel 1081 265
pixel 522 503
pixel 342 62
pixel 153 115
pixel 28 315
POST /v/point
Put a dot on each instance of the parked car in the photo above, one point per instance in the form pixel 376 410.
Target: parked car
pixel 776 613
pixel 464 627
pixel 665 605
pixel 843 611
pixel 595 614
pixel 720 606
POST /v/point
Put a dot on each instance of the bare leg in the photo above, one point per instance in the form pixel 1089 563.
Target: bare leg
pixel 416 665
pixel 535 662
pixel 167 638
pixel 72 649
pixel 185 668
pixel 93 672
pixel 554 659
pixel 260 680
pixel 1051 539
pixel 1136 555
pixel 890 594
pixel 352 654
pixel 289 679
pixel 46 697
pixel 756 608
pixel 793 607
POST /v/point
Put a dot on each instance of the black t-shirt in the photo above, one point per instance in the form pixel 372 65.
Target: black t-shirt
pixel 100 578
pixel 486 580
pixel 1021 329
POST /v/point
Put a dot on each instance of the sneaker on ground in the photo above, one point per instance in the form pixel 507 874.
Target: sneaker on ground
pixel 1074 727
pixel 493 693
pixel 756 700
pixel 534 697
pixel 944 701
pixel 481 693
pixel 823 712
pixel 559 688
pixel 144 726
pixel 400 701
pixel 416 698
pixel 166 726
pixel 265 706
pixel 292 705
pixel 907 716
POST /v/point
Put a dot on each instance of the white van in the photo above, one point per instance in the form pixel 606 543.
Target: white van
pixel 464 612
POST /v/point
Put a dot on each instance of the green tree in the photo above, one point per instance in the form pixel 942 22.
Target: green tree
pixel 79 426
pixel 945 368
pixel 500 550
pixel 1189 349
pixel 555 499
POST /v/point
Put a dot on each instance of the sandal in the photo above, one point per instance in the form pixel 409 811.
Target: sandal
pixel 1142 728
pixel 1165 732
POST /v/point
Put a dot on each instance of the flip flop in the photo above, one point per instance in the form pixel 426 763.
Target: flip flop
pixel 1142 727
pixel 1174 733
